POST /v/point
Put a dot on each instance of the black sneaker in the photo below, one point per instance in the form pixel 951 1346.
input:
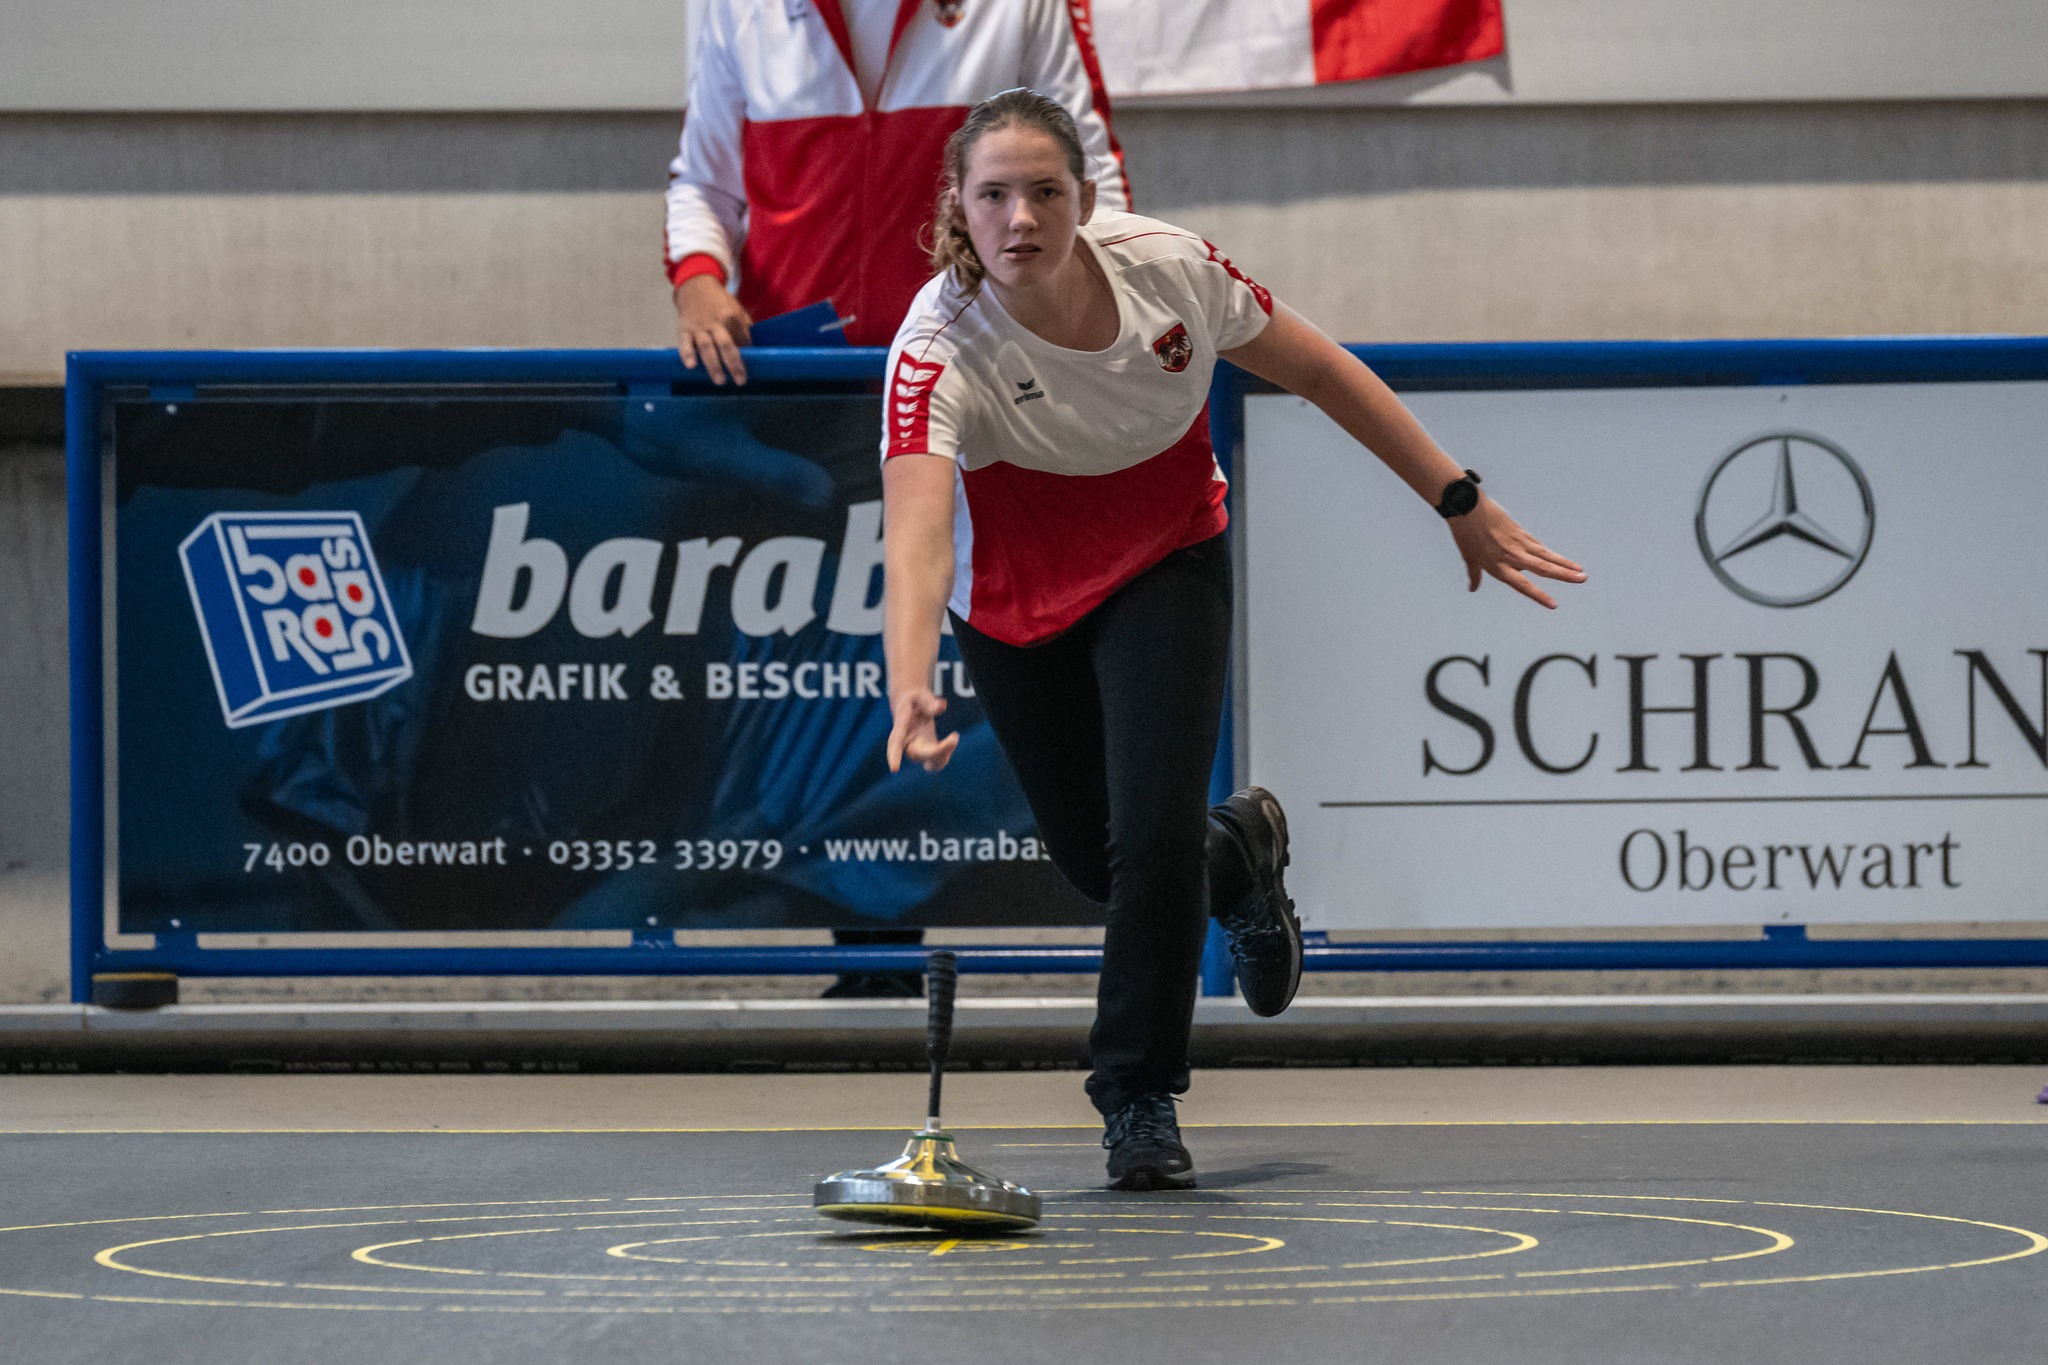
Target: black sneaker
pixel 1259 922
pixel 1145 1151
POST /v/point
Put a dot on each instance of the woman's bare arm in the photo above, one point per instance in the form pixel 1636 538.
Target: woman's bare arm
pixel 1294 355
pixel 917 555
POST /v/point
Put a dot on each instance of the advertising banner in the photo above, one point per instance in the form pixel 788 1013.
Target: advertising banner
pixel 1807 681
pixel 512 660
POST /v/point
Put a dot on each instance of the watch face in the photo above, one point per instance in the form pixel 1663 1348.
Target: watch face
pixel 1460 498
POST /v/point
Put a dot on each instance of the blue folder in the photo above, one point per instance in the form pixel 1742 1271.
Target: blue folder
pixel 817 325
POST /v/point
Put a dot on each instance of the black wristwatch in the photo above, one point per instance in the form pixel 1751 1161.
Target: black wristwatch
pixel 1460 496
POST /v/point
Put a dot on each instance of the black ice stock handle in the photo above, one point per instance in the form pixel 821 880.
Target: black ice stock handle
pixel 941 977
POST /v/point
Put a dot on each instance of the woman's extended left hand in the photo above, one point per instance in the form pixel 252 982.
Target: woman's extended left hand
pixel 1493 543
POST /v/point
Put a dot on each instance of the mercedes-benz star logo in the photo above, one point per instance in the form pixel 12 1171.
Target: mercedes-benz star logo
pixel 1786 519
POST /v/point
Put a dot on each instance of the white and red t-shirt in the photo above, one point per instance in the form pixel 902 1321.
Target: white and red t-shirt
pixel 1079 470
pixel 812 151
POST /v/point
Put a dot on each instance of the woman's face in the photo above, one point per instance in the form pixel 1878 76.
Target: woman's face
pixel 1023 205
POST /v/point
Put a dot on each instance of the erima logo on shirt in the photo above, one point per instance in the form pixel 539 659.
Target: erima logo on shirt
pixel 1031 390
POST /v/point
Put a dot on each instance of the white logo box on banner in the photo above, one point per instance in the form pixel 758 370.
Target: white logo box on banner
pixel 1453 760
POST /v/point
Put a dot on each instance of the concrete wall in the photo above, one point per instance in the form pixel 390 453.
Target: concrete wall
pixel 253 230
pixel 1382 223
pixel 80 55
pixel 1702 221
pixel 365 54
pixel 35 789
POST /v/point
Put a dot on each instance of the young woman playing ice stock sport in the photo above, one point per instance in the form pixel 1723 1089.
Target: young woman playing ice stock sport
pixel 1048 478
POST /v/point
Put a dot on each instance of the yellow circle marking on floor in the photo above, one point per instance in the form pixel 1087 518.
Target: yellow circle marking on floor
pixel 812 1284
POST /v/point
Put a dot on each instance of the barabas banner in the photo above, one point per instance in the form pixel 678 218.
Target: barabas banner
pixel 530 662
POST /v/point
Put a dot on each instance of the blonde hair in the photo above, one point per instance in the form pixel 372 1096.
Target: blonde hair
pixel 952 250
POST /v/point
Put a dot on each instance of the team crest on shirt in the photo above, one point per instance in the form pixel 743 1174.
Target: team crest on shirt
pixel 1174 349
pixel 949 11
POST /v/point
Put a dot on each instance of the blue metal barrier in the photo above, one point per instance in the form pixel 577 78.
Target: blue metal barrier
pixel 170 375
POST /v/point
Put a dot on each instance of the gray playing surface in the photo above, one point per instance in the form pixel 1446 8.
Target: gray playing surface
pixel 1815 1242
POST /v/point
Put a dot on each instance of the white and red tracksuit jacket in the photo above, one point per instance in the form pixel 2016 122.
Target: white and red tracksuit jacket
pixel 789 180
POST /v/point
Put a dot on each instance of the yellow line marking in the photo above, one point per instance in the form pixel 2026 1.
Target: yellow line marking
pixel 1006 1277
pixel 748 1294
pixel 755 1279
pixel 624 1249
pixel 346 1208
pixel 261 1303
pixel 1393 1279
pixel 2036 1244
pixel 109 1257
pixel 1052 1293
pixel 1525 1241
pixel 1497 1294
pixel 1019 1296
pixel 1892 1213
pixel 1266 1244
pixel 1522 1242
pixel 1066 1307
pixel 368 1255
pixel 1529 1194
pixel 1247 1270
pixel 104 1222
pixel 1160 1208
pixel 461 1204
pixel 447 1307
pixel 663 1199
pixel 632 1308
pixel 406 1289
pixel 736 1208
pixel 626 1227
pixel 1775 1241
pixel 1519 1241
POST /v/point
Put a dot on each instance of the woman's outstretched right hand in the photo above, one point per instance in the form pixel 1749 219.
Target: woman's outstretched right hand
pixel 1492 542
pixel 916 732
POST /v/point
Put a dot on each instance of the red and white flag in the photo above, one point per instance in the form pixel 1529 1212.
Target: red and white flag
pixel 1159 47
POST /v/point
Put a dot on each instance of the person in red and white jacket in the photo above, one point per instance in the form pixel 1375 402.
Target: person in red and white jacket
pixel 1048 484
pixel 811 147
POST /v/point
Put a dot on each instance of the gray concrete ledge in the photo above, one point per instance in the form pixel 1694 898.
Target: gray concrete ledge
pixel 710 1035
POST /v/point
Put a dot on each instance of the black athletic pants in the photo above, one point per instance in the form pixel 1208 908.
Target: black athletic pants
pixel 1111 727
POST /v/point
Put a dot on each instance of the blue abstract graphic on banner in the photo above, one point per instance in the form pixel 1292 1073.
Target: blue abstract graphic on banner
pixel 294 614
pixel 529 660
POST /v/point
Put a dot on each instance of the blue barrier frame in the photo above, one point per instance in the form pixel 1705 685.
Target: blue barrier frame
pixel 168 375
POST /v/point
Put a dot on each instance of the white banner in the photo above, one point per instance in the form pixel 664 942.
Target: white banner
pixel 1806 683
